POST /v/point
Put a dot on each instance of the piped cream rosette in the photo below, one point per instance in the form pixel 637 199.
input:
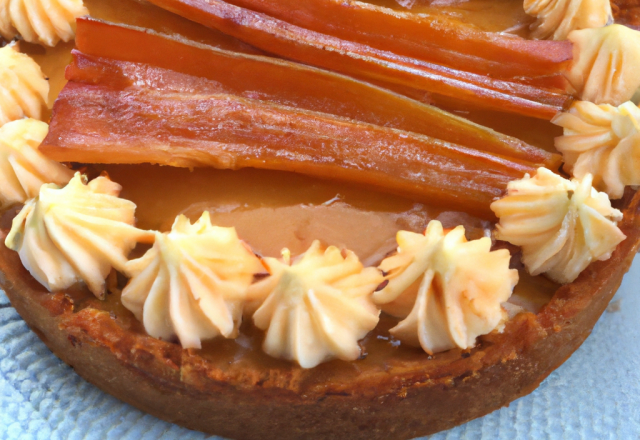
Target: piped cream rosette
pixel 603 141
pixel 40 21
pixel 23 169
pixel 192 283
pixel 555 19
pixel 23 87
pixel 561 225
pixel 605 66
pixel 75 234
pixel 317 308
pixel 448 290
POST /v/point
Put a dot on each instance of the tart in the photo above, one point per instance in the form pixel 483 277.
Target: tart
pixel 231 387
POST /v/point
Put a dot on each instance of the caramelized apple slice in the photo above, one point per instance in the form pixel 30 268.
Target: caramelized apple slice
pixel 278 81
pixel 427 36
pixel 145 15
pixel 96 124
pixel 357 59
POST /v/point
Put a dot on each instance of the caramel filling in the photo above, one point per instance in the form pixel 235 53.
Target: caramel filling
pixel 272 210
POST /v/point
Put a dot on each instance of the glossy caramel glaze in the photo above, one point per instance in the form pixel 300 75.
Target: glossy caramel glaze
pixel 506 16
pixel 290 212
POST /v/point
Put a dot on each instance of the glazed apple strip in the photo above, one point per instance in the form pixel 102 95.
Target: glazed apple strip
pixel 148 16
pixel 97 124
pixel 293 42
pixel 273 80
pixel 427 36
pixel 124 75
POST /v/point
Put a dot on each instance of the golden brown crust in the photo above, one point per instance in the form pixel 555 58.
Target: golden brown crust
pixel 284 401
pixel 626 12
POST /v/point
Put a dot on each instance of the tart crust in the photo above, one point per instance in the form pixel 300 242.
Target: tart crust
pixel 403 401
pixel 626 12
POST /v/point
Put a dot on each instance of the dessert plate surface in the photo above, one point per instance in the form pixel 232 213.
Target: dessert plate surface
pixel 595 394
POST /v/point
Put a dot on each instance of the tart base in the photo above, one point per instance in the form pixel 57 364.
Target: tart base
pixel 285 403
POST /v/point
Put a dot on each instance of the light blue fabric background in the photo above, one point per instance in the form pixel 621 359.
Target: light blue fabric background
pixel 594 395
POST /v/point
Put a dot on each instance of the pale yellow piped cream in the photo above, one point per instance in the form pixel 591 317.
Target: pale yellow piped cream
pixel 603 141
pixel 555 19
pixel 192 283
pixel 23 169
pixel 23 87
pixel 448 290
pixel 605 66
pixel 562 226
pixel 317 308
pixel 43 22
pixel 75 234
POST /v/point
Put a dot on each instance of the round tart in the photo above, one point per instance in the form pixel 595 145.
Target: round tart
pixel 231 387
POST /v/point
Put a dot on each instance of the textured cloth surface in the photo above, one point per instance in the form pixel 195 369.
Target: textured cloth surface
pixel 594 395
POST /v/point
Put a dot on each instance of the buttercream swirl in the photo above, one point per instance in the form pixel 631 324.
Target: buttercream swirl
pixel 318 308
pixel 561 225
pixel 23 87
pixel 448 290
pixel 76 233
pixel 555 19
pixel 23 169
pixel 604 141
pixel 192 283
pixel 40 21
pixel 606 62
